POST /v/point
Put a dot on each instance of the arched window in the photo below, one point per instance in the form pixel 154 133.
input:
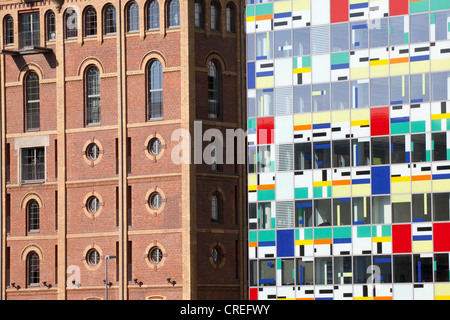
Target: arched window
pixel 92 96
pixel 32 102
pixel 33 269
pixel 216 204
pixel 33 215
pixel 198 14
pixel 71 21
pixel 215 16
pixel 155 90
pixel 50 26
pixel 90 22
pixel 153 15
pixel 213 91
pixel 132 17
pixel 110 19
pixel 9 30
pixel 173 13
pixel 231 18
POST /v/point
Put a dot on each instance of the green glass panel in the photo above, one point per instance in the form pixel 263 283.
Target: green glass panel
pixel 263 9
pixel 266 195
pixel 301 193
pixel 342 233
pixel 418 126
pixel 323 233
pixel 400 128
pixel 267 235
pixel 418 6
pixel 363 232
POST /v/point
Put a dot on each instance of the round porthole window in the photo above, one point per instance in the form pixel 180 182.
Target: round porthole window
pixel 155 255
pixel 154 146
pixel 155 200
pixel 93 257
pixel 93 204
pixel 92 151
pixel 216 255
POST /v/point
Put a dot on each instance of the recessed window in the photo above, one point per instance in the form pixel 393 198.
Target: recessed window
pixel 155 200
pixel 153 15
pixel 29 34
pixel 90 22
pixel 216 255
pixel 198 14
pixel 71 21
pixel 9 30
pixel 173 14
pixel 93 204
pixel 33 268
pixel 51 26
pixel 215 208
pixel 110 20
pixel 93 257
pixel 33 165
pixel 215 16
pixel 155 255
pixel 33 215
pixel 154 146
pixel 213 91
pixel 32 102
pixel 231 19
pixel 92 96
pixel 155 90
pixel 93 151
pixel 133 17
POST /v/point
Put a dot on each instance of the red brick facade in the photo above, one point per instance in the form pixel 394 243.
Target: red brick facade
pixel 125 175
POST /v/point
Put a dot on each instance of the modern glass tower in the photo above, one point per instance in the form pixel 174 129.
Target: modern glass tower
pixel 349 149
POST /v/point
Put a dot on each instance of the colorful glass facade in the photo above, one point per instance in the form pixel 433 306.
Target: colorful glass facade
pixel 349 149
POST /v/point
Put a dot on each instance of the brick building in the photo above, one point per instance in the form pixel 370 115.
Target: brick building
pixel 91 93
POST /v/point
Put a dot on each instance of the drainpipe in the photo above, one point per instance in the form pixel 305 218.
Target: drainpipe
pixel 120 143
